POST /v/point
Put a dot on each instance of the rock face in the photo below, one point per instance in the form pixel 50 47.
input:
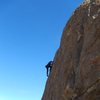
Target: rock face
pixel 76 70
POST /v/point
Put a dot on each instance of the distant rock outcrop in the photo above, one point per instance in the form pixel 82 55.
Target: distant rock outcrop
pixel 76 71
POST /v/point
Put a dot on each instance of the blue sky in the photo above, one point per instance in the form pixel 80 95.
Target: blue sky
pixel 30 33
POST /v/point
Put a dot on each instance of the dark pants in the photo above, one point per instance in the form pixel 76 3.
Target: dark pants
pixel 48 70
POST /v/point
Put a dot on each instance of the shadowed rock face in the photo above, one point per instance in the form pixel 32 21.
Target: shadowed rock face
pixel 76 71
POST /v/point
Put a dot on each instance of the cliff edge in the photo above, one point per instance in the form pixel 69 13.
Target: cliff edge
pixel 76 71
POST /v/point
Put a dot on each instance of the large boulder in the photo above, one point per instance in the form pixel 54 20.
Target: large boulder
pixel 76 70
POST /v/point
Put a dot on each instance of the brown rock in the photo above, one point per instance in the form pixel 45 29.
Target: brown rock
pixel 76 71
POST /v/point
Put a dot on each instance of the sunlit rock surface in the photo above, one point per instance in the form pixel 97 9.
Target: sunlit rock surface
pixel 76 71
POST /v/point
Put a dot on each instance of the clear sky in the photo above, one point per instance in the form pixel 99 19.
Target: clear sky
pixel 30 33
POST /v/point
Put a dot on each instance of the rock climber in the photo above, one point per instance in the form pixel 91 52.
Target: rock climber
pixel 49 67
